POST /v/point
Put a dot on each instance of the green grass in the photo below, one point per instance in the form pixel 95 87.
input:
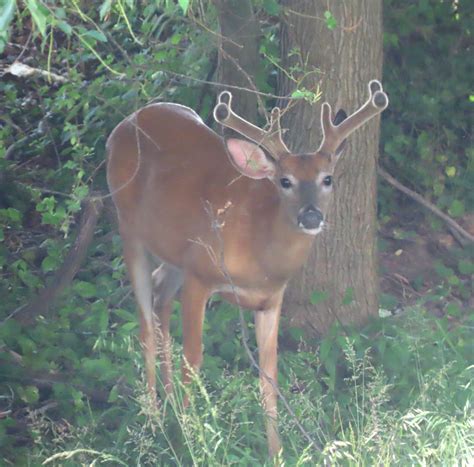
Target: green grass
pixel 397 393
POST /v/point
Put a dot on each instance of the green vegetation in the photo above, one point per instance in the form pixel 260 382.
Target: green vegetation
pixel 397 392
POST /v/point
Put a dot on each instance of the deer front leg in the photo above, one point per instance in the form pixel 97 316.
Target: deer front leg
pixel 266 329
pixel 193 299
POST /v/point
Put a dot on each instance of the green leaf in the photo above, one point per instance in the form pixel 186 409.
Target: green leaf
pixel 85 289
pixel 29 394
pixel 465 266
pixel 40 15
pixel 114 394
pixel 104 9
pixel 318 297
pixel 184 4
pixel 96 35
pixel 271 7
pixel 457 208
pixel 65 27
pixel 331 22
pixel 128 327
pixel 6 15
pixel 50 263
pixel 453 309
pixel 388 301
pixel 348 296
pixel 451 171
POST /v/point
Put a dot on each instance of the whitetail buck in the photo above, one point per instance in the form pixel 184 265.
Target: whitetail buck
pixel 227 216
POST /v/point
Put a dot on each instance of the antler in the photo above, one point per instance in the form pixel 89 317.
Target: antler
pixel 271 139
pixel 333 136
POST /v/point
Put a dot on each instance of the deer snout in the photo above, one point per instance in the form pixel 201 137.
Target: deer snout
pixel 310 218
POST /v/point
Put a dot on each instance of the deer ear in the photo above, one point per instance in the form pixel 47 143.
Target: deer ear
pixel 339 118
pixel 249 159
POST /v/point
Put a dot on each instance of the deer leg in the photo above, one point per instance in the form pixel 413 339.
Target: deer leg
pixel 167 280
pixel 193 299
pixel 266 329
pixel 138 266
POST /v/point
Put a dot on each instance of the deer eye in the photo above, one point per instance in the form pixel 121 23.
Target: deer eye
pixel 286 183
pixel 327 180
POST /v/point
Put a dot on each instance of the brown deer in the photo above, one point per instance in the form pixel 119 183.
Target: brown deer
pixel 230 216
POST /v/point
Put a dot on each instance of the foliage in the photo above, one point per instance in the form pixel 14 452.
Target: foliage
pixel 395 392
pixel 427 132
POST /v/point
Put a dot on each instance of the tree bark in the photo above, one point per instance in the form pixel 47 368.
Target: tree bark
pixel 342 263
pixel 238 53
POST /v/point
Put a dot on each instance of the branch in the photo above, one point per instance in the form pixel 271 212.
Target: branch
pixel 461 235
pixel 21 70
pixel 66 273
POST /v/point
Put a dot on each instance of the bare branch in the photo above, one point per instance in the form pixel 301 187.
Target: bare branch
pixel 461 235
pixel 66 273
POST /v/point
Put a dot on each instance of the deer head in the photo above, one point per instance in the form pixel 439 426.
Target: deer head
pixel 304 181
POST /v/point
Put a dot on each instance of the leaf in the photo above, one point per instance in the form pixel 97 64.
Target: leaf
pixel 104 9
pixel 6 14
pixel 465 266
pixel 271 7
pixel 184 4
pixel 457 208
pixel 65 27
pixel 331 22
pixel 50 263
pixel 29 394
pixel 39 13
pixel 85 289
pixel 96 35
pixel 451 171
pixel 318 297
pixel 348 296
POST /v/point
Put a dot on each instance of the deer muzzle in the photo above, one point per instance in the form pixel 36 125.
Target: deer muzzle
pixel 310 218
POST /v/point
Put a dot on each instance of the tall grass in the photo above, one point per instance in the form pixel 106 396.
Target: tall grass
pixel 369 419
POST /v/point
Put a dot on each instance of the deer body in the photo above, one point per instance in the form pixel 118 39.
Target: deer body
pixel 224 216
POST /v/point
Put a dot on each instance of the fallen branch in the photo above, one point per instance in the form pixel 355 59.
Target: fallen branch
pixel 21 70
pixel 66 273
pixel 459 233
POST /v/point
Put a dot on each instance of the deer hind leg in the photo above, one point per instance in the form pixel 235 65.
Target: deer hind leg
pixel 266 329
pixel 138 265
pixel 167 280
pixel 193 299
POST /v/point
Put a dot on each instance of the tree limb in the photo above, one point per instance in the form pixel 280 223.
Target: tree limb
pixel 461 235
pixel 66 273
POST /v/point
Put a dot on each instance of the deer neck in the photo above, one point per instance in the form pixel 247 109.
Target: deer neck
pixel 284 248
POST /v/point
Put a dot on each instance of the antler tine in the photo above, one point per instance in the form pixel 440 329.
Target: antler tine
pixel 275 131
pixel 271 139
pixel 333 136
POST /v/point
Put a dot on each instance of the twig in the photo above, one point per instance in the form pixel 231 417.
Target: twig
pixel 22 70
pixel 461 235
pixel 216 225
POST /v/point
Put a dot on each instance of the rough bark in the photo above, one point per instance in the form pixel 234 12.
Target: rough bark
pixel 238 53
pixel 343 260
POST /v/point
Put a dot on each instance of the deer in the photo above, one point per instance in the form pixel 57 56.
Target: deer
pixel 230 216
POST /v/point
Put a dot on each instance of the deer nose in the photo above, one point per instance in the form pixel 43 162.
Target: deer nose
pixel 310 218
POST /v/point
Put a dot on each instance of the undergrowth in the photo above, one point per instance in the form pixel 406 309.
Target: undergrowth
pixel 416 413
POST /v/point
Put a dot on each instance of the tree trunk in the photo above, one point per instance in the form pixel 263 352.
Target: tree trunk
pixel 342 264
pixel 238 53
